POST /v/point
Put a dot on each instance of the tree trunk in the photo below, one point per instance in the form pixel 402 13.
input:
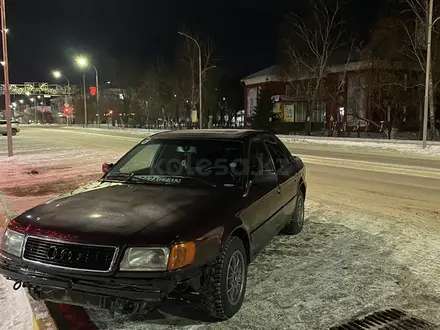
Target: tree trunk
pixel 432 109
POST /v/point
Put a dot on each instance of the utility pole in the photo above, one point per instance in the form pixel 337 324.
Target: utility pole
pixel 428 74
pixel 97 95
pixel 35 112
pixel 85 101
pixel 6 76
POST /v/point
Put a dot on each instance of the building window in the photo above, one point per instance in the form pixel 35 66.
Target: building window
pixel 319 111
pixel 300 111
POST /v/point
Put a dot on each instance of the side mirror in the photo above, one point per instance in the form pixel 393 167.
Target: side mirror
pixel 263 179
pixel 106 167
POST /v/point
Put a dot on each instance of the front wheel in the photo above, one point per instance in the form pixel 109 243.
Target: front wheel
pixel 14 131
pixel 225 287
pixel 296 223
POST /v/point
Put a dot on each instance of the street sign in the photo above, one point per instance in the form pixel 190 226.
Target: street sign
pixel 67 110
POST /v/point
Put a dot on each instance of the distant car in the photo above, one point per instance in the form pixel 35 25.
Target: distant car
pixel 183 212
pixel 15 127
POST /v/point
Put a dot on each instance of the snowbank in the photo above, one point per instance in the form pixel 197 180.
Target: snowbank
pixel 15 311
pixel 404 146
pixel 411 147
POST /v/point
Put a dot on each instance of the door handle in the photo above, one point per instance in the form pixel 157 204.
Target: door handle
pixel 279 190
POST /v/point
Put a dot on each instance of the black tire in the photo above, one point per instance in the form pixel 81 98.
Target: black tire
pixel 214 293
pixel 4 134
pixel 14 131
pixel 296 224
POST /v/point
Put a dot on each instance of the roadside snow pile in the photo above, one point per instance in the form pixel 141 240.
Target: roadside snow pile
pixel 405 147
pixel 104 128
pixel 411 147
pixel 15 311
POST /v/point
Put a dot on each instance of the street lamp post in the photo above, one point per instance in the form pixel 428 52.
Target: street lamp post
pixel 427 73
pixel 428 70
pixel 6 77
pixel 57 74
pixel 85 101
pixel 82 63
pixel 200 75
pixel 35 110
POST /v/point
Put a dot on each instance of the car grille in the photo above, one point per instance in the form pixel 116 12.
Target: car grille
pixel 68 255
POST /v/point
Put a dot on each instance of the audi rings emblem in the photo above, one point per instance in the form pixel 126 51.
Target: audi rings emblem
pixel 62 254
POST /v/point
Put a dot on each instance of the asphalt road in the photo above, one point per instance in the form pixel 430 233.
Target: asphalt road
pixel 380 208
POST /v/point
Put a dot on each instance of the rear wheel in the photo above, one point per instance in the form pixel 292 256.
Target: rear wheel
pixel 296 223
pixel 225 287
pixel 14 131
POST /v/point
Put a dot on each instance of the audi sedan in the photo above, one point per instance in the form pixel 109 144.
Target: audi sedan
pixel 182 213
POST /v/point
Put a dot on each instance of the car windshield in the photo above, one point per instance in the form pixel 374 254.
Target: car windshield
pixel 183 162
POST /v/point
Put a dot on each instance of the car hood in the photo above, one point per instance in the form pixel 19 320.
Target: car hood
pixel 126 214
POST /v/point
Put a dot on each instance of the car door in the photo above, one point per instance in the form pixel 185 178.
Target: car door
pixel 262 201
pixel 287 175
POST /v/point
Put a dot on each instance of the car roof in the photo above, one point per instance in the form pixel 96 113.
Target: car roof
pixel 208 134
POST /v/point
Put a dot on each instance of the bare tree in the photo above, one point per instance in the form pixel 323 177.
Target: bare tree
pixel 310 46
pixel 188 84
pixel 416 27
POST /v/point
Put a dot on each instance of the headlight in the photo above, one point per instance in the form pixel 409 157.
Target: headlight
pixel 145 259
pixel 12 242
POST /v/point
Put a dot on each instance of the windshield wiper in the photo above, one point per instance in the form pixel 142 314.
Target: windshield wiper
pixel 126 177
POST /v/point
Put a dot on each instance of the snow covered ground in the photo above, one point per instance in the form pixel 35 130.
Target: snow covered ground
pixel 15 311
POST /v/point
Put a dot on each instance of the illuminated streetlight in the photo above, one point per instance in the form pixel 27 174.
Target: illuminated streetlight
pixel 2 63
pixel 83 62
pixel 38 97
pixel 21 101
pixel 28 93
pixel 32 99
pixel 56 74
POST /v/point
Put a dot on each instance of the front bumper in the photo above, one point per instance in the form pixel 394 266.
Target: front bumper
pixel 98 291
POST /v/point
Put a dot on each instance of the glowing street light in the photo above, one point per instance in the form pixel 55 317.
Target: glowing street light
pixel 57 74
pixel 2 63
pixel 21 101
pixel 32 99
pixel 28 93
pixel 83 62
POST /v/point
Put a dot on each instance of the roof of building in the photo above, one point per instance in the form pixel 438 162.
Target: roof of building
pixel 272 70
pixel 339 57
pixel 206 134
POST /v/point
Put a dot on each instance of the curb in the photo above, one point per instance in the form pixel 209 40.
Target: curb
pixel 45 322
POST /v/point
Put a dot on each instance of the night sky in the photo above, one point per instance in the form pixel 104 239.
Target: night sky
pixel 47 34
